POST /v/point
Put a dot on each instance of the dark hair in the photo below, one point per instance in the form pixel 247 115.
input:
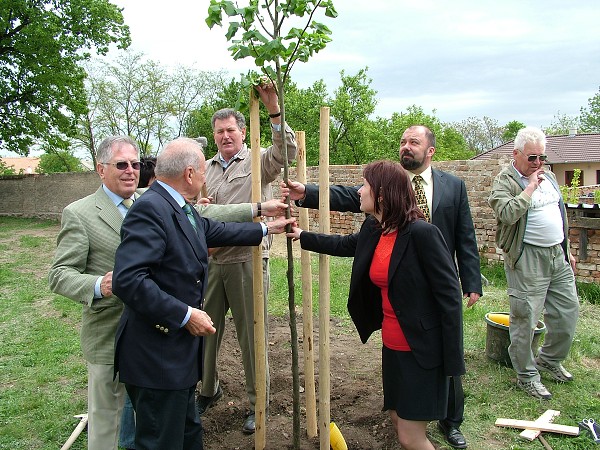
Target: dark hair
pixel 393 194
pixel 147 170
pixel 226 113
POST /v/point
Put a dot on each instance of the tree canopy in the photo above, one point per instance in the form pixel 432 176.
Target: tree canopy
pixel 41 82
pixel 590 116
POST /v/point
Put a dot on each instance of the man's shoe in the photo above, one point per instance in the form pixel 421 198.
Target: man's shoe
pixel 249 424
pixel 203 402
pixel 535 389
pixel 558 372
pixel 453 435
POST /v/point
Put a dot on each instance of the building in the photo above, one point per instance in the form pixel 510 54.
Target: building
pixel 565 154
pixel 22 164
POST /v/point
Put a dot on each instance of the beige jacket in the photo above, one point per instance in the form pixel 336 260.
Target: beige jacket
pixel 234 185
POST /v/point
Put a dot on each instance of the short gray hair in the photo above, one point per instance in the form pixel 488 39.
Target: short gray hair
pixel 529 135
pixel 226 113
pixel 110 144
pixel 176 156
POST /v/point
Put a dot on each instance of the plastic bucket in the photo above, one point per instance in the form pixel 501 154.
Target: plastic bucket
pixel 498 338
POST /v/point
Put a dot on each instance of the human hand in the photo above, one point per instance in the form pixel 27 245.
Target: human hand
pixel 204 201
pixel 537 177
pixel 295 233
pixel 573 262
pixel 279 225
pixel 106 285
pixel 273 208
pixel 293 189
pixel 268 95
pixel 473 297
pixel 200 323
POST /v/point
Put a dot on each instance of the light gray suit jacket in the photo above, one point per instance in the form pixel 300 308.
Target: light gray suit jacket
pixel 86 246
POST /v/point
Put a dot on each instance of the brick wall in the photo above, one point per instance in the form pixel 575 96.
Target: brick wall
pixel 45 196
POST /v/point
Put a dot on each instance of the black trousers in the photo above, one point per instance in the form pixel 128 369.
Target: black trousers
pixel 165 420
pixel 456 403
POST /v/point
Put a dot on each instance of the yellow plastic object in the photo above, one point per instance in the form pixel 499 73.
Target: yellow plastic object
pixel 336 440
pixel 503 319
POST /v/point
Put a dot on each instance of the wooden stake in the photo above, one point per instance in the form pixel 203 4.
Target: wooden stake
pixel 307 309
pixel 544 443
pixel 324 287
pixel 257 274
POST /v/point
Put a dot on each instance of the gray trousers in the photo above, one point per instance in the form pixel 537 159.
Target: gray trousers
pixel 230 286
pixel 542 281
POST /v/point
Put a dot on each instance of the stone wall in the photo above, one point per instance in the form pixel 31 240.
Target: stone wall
pixel 44 196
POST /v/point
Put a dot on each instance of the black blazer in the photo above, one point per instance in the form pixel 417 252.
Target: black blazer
pixel 161 268
pixel 423 290
pixel 450 213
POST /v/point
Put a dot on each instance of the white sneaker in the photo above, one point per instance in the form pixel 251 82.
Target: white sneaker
pixel 558 372
pixel 535 389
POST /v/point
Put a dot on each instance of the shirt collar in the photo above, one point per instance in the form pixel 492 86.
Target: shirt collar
pixel 427 175
pixel 173 193
pixel 224 163
pixel 116 199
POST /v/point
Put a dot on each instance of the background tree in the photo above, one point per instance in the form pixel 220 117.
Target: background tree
pixel 480 134
pixel 562 124
pixel 41 83
pixel 511 129
pixel 143 99
pixel 6 170
pixel 54 161
pixel 590 117
pixel 353 103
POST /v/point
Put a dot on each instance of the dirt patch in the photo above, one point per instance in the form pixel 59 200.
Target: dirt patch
pixel 355 383
pixel 356 394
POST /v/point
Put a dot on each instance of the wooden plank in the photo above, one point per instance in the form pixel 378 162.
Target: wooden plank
pixel 547 417
pixel 531 425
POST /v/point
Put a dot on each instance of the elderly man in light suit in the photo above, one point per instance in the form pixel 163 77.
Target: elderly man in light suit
pixel 82 270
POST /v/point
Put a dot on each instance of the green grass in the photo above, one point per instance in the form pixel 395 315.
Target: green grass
pixel 43 375
pixel 490 388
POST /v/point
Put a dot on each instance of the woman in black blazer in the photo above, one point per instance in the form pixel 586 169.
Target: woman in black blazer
pixel 403 282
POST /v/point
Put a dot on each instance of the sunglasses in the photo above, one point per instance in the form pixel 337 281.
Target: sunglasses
pixel 532 158
pixel 123 165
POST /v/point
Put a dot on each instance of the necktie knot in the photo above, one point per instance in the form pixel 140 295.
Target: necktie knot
pixel 127 202
pixel 421 197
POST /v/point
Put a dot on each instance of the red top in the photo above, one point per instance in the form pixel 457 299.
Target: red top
pixel 391 332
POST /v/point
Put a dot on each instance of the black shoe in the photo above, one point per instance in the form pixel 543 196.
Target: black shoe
pixel 453 435
pixel 249 424
pixel 203 402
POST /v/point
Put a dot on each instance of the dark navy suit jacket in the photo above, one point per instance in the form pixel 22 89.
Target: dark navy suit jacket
pixel 161 268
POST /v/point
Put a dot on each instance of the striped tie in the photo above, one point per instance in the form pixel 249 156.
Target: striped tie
pixel 421 198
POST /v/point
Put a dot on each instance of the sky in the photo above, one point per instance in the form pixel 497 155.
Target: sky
pixel 508 60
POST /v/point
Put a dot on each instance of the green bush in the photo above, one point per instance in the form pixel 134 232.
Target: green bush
pixel 589 292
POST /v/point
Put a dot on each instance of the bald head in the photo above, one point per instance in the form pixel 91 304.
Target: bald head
pixel 181 165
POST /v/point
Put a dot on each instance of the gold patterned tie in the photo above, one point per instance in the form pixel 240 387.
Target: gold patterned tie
pixel 127 202
pixel 190 215
pixel 421 198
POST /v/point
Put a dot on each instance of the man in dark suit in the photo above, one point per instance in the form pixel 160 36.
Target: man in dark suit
pixel 161 268
pixel 449 206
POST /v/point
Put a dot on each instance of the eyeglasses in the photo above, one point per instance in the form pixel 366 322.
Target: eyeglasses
pixel 123 165
pixel 532 158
